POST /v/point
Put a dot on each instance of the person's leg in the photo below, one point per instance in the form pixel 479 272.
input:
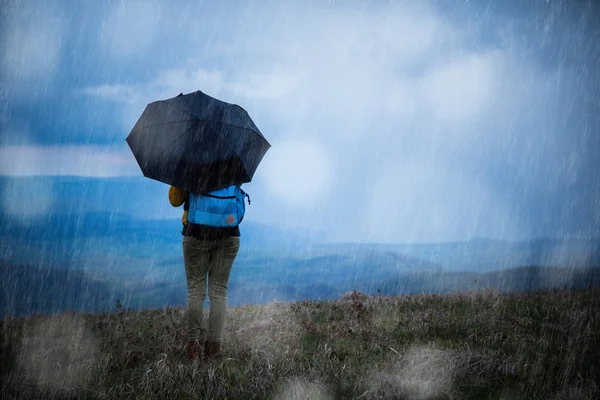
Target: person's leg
pixel 197 258
pixel 218 277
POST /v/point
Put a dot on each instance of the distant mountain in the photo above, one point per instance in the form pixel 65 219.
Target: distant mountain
pixel 520 279
pixel 71 226
pixel 481 255
pixel 74 218
pixel 82 238
pixel 62 207
pixel 78 257
pixel 28 290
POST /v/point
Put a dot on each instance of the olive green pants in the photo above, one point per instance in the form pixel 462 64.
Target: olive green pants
pixel 208 260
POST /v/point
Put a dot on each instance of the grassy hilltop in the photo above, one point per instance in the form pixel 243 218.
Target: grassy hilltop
pixel 542 345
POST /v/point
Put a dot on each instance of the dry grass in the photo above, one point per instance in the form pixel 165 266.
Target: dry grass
pixel 474 345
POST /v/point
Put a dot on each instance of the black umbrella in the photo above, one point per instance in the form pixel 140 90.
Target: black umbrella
pixel 197 143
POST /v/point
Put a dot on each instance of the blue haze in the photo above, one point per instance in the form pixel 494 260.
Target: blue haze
pixel 402 201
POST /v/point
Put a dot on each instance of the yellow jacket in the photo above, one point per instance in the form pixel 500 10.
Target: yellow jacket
pixel 178 197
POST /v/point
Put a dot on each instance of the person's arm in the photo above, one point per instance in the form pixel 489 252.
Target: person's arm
pixel 176 196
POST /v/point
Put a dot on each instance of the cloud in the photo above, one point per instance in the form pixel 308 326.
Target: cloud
pixel 87 161
pixel 298 173
pixel 169 83
pixel 339 68
pixel 415 120
pixel 118 93
pixel 130 28
pixel 420 199
pixel 32 42
pixel 345 53
pixel 462 89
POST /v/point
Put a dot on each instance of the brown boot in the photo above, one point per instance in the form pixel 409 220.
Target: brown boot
pixel 212 349
pixel 194 350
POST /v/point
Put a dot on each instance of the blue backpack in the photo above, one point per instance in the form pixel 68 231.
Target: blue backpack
pixel 223 208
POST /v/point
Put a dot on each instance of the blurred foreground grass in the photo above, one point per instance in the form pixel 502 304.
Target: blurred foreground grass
pixel 484 345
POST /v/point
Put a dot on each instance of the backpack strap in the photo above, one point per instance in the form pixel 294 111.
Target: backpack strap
pixel 246 195
pixel 219 197
pixel 186 202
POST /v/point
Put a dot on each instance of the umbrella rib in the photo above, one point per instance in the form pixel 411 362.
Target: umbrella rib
pixel 170 123
pixel 246 129
pixel 201 120
pixel 177 138
pixel 197 118
pixel 167 123
pixel 224 123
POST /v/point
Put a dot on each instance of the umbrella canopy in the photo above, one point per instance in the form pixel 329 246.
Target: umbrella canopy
pixel 197 143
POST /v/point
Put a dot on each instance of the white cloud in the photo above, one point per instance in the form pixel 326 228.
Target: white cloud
pixel 462 89
pixel 424 199
pixel 272 85
pixel 298 173
pixel 381 91
pixel 345 61
pixel 131 27
pixel 87 161
pixel 169 83
pixel 351 67
pixel 32 44
pixel 120 93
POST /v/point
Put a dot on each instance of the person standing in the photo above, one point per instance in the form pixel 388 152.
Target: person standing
pixel 211 241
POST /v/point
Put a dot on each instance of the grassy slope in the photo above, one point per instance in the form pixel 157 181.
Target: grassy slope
pixel 475 345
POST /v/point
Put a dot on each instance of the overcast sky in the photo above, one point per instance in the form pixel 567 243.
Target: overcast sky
pixel 389 121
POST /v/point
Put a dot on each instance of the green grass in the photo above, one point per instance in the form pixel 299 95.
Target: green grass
pixel 483 345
